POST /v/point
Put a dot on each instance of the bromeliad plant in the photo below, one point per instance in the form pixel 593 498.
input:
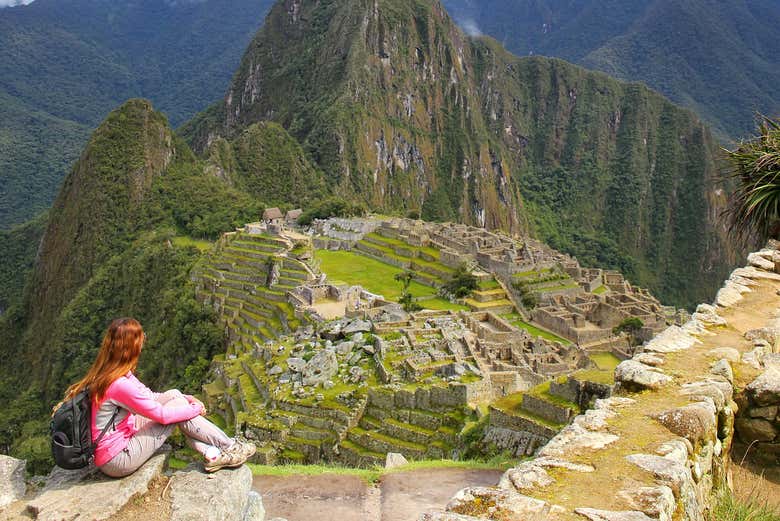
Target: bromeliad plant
pixel 754 209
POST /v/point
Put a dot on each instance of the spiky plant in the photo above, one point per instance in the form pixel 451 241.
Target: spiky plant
pixel 754 209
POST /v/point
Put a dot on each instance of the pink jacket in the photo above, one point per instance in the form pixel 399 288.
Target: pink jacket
pixel 132 397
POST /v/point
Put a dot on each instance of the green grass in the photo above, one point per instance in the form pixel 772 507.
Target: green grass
pixel 600 290
pixel 605 361
pixel 440 304
pixel 542 391
pixel 729 508
pixel 516 321
pixel 373 474
pixel 376 277
pixel 183 241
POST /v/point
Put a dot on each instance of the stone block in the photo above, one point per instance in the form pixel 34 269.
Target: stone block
pixel 765 390
pixel 755 429
pixel 220 496
pixel 394 460
pixel 767 413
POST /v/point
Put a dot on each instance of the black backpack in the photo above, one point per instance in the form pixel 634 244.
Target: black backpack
pixel 71 432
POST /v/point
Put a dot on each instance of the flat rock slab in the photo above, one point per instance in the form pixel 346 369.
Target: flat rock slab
pixel 220 496
pixel 88 494
pixel 400 496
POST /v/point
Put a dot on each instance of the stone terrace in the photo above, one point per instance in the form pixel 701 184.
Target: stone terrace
pixel 657 454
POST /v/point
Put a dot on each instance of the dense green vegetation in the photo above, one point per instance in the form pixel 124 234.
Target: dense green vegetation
pixel 51 95
pixel 754 208
pixel 17 249
pixel 721 59
pixel 113 247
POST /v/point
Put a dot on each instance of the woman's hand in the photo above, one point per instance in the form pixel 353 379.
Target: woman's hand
pixel 202 407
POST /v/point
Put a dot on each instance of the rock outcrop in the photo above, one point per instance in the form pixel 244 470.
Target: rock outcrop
pixel 12 485
pixel 189 495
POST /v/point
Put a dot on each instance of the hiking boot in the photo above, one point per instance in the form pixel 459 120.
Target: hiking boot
pixel 235 456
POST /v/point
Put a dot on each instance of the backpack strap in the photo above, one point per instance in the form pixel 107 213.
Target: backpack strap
pixel 105 429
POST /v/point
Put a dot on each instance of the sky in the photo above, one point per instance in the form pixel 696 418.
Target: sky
pixel 6 3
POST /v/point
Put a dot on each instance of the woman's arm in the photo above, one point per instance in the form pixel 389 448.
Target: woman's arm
pixel 139 399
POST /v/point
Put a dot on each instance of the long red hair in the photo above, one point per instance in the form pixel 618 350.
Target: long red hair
pixel 118 354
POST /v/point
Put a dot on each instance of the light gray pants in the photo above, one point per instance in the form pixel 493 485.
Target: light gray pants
pixel 200 434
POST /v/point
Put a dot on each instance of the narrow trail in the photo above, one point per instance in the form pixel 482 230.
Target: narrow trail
pixel 399 496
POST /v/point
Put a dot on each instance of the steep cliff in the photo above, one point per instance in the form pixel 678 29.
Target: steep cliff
pixel 402 110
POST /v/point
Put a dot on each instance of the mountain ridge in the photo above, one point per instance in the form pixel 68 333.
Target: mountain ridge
pixel 408 114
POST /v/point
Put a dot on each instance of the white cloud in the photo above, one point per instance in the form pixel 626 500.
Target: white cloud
pixel 11 3
pixel 468 25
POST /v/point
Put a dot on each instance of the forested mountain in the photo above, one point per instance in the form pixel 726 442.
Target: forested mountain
pixel 403 111
pixel 720 58
pixel 64 64
pixel 384 102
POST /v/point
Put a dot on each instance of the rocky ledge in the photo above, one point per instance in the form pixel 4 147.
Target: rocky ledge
pixel 151 493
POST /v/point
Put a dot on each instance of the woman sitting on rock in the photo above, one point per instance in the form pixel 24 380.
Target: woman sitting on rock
pixel 142 419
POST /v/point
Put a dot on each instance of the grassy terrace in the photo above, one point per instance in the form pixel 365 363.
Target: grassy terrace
pixel 604 373
pixel 200 244
pixel 513 405
pixel 377 277
pixel 517 321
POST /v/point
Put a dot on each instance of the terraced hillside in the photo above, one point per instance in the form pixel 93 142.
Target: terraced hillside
pixel 247 281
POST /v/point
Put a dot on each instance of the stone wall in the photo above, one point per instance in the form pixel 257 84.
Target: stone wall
pixel 758 424
pixel 659 448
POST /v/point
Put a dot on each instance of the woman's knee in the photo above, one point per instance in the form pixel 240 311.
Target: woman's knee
pixel 177 402
pixel 170 394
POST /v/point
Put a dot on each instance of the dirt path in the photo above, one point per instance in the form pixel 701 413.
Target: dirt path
pixel 400 496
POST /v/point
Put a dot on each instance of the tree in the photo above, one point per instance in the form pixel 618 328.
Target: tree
pixel 406 299
pixel 754 208
pixel 462 283
pixel 630 326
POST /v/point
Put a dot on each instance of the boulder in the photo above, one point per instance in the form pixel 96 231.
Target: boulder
pixel 723 368
pixel 88 494
pixel 394 460
pixel 505 504
pixel 727 353
pixel 358 326
pixel 696 422
pixel 220 496
pixel 609 515
pixel 765 390
pixel 345 347
pixel 320 369
pixel 296 364
pixel 758 260
pixel 669 472
pixel 12 485
pixel 657 502
pixel 634 375
pixel 277 369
